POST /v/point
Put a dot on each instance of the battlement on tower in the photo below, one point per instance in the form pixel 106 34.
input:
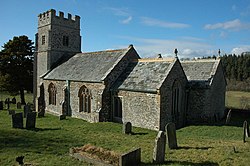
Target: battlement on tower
pixel 49 17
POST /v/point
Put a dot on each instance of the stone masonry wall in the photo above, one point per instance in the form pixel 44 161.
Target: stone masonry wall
pixel 106 112
pixel 141 109
pixel 54 109
pixel 96 90
pixel 208 104
pixel 176 74
pixel 218 91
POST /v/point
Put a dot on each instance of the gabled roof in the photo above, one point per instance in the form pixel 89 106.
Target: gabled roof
pixel 145 75
pixel 200 71
pixel 88 67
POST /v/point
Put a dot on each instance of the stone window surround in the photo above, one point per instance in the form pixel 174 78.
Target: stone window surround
pixel 43 39
pixel 84 99
pixel 117 114
pixel 52 94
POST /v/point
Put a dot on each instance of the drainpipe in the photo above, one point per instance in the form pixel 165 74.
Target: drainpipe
pixel 68 96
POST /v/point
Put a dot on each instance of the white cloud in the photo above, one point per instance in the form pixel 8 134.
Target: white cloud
pixel 127 20
pixel 118 11
pixel 229 25
pixel 187 48
pixel 238 50
pixel 159 23
pixel 121 12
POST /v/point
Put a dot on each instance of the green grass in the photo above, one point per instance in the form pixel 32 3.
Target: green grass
pixel 234 99
pixel 49 143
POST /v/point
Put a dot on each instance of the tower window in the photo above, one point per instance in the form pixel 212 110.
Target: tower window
pixel 43 39
pixel 65 40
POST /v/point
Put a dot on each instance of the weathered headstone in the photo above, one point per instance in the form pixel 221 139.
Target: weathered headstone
pixel 17 120
pixel 171 136
pixel 245 130
pixel 229 114
pixel 160 147
pixel 127 128
pixel 18 105
pixel 62 117
pixel 26 110
pixel 7 102
pixel 12 112
pixel 1 105
pixel 31 120
pixel 41 107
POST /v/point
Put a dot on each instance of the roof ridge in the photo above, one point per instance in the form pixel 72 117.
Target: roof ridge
pixel 97 52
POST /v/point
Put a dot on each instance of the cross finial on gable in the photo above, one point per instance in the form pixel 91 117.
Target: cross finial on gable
pixel 176 52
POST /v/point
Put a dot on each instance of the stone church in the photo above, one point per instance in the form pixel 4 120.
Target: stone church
pixel 119 85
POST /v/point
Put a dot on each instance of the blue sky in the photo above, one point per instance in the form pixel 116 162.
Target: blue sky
pixel 195 27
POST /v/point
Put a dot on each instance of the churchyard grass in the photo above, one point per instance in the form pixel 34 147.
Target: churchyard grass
pixel 49 143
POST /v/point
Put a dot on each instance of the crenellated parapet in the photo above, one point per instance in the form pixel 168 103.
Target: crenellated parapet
pixel 50 16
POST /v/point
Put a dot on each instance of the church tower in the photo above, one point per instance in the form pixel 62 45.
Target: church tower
pixel 58 39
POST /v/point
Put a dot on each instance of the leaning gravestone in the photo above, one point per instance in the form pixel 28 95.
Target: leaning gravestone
pixel 31 120
pixel 229 114
pixel 171 136
pixel 17 120
pixel 26 110
pixel 18 105
pixel 127 128
pixel 245 130
pixel 1 105
pixel 160 147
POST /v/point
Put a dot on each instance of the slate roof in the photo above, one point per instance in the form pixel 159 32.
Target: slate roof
pixel 145 75
pixel 88 67
pixel 200 70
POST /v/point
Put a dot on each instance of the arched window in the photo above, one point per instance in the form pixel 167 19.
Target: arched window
pixel 52 94
pixel 176 100
pixel 84 99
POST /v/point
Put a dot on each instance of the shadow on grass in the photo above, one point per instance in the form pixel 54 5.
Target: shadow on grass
pixel 43 129
pixel 238 116
pixel 133 133
pixel 198 148
pixel 205 163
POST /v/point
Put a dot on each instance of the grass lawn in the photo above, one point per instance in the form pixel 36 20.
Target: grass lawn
pixel 49 143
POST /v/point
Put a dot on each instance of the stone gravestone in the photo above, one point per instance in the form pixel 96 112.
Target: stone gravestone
pixel 171 136
pixel 18 105
pixel 31 120
pixel 245 130
pixel 12 112
pixel 26 110
pixel 229 114
pixel 41 107
pixel 159 149
pixel 1 105
pixel 127 128
pixel 17 120
pixel 62 117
